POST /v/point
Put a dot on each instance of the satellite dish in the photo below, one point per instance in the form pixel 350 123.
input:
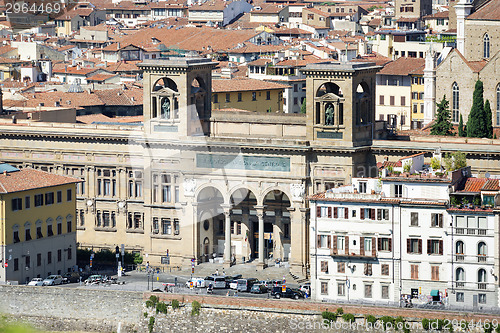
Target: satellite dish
pixel 487 175
pixel 89 203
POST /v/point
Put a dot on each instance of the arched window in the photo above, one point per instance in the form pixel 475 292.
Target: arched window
pixel 481 249
pixel 460 274
pixel 486 46
pixel 459 247
pixel 498 106
pixel 455 103
pixel 481 276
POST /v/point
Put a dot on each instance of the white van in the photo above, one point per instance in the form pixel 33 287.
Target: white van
pixel 220 282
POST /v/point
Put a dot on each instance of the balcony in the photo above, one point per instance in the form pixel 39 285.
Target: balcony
pixel 481 286
pixel 460 257
pixel 470 231
pixel 355 253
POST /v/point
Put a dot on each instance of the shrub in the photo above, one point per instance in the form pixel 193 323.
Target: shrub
pixel 387 322
pixel 426 324
pixel 340 311
pixel 150 304
pixel 145 314
pixel 195 308
pixel 151 324
pixel 348 317
pixel 329 316
pixel 371 319
pixel 399 321
pixel 161 307
pixel 154 299
pixel 175 304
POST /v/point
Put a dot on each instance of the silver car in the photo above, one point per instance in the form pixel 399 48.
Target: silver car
pixel 36 282
pixel 53 280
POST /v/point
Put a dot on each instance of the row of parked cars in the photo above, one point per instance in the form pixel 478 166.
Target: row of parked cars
pixel 54 279
pixel 252 285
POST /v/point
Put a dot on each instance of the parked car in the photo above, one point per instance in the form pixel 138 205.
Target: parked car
pixel 289 293
pixel 53 280
pixel 36 282
pixel 219 282
pixel 94 279
pixel 71 277
pixel 197 283
pixel 306 288
pixel 233 284
pixel 246 284
pixel 258 289
pixel 274 290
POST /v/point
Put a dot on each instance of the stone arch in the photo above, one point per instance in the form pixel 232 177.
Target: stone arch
pixel 245 187
pixel 277 222
pixel 328 87
pixel 329 104
pixel 165 82
pixel 244 222
pixel 210 200
pixel 69 218
pixel 199 97
pixel 216 186
pixel 363 104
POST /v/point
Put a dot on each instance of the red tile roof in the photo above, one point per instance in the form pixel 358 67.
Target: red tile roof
pixel 403 66
pixel 474 184
pixel 437 15
pixel 491 185
pixel 90 118
pixel 489 12
pixel 241 84
pixel 28 179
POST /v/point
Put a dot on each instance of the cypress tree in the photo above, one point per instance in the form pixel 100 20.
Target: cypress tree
pixel 442 124
pixel 488 121
pixel 461 131
pixel 303 107
pixel 476 122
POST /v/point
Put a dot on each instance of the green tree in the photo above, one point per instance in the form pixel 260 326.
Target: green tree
pixel 303 107
pixel 476 126
pixel 442 124
pixel 461 131
pixel 455 161
pixel 487 119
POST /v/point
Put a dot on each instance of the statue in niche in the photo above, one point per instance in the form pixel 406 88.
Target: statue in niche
pixel 329 114
pixel 165 108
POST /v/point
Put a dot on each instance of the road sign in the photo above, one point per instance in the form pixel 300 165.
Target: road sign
pixel 191 284
pixel 192 270
pixel 283 288
pixel 192 260
pixel 90 263
pixel 6 264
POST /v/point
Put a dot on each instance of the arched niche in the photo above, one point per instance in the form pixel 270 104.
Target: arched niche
pixel 165 99
pixel 363 101
pixel 329 105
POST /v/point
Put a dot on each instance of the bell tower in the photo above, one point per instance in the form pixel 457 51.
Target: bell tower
pixel 340 101
pixel 177 95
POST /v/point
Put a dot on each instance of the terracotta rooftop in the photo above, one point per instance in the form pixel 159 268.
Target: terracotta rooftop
pixel 28 179
pixel 437 15
pixel 90 118
pixel 491 185
pixel 241 84
pixel 488 12
pixel 378 59
pixel 403 66
pixel 100 77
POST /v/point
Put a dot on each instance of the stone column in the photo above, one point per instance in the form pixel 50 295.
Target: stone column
pixel 260 216
pixel 227 237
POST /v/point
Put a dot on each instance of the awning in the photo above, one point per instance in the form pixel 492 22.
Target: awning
pixel 434 292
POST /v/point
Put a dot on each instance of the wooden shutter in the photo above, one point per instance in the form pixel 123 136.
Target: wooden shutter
pixel 347 244
pixel 412 269
pixel 429 246
pixel 346 213
pixel 433 219
pixel 362 213
pixel 390 244
pixel 379 214
pixel 329 241
pixel 318 211
pixel 329 212
pixel 362 246
pixel 334 245
pixel 374 241
pixel 335 212
pixel 319 240
pixel 372 213
pixel 420 246
pixel 369 269
pixel 440 217
pixel 441 246
pixel 408 245
pixel 366 269
pixel 379 244
pixel 416 272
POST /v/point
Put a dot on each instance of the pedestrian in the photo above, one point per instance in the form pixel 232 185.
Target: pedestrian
pixel 217 272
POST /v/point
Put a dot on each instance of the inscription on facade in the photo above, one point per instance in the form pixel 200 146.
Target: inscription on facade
pixel 244 162
pixel 330 135
pixel 165 128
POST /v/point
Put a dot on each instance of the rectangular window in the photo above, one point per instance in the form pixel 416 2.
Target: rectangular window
pixel 381 99
pixel 414 219
pixel 16 264
pixel 437 220
pixel 59 196
pixel 228 98
pixel 59 255
pixel 27 234
pixel 324 288
pixel 166 227
pixel 69 195
pixel 39 259
pixel 368 269
pixel 49 257
pixel 368 244
pixel 68 226
pixel 39 232
pixel 403 100
pixel 176 227
pixel 341 243
pixel 69 253
pixel 324 266
pixel 17 204
pixel 385 269
pixel 384 244
pixel 460 297
pixel 16 237
pixel 435 273
pixel 391 100
pixel 398 190
pixel 435 246
pixel 38 200
pixel 49 198
pixel 324 241
pixel 50 232
pixel 362 187
pixel 27 202
pixel 414 272
pixel 341 267
pixel 239 97
pixel 341 288
pixel 59 228
pixel 414 245
pixel 216 98
pixel 254 96
pixel 482 299
pixel 368 291
pixel 385 292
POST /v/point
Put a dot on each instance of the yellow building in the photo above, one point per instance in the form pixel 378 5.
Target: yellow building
pixel 247 94
pixel 417 98
pixel 37 234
